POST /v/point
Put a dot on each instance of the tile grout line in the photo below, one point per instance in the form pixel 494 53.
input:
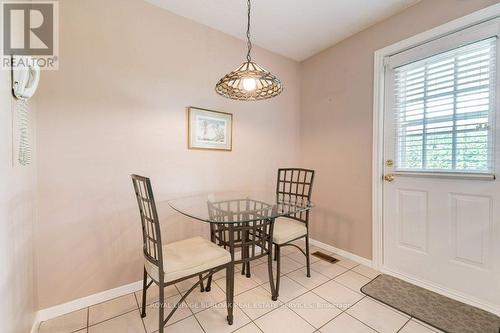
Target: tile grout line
pixel 358 291
pixel 341 312
pixel 244 314
pixel 404 325
pixel 350 307
pixel 424 324
pixel 350 315
pixel 364 296
pixel 315 329
pixel 252 322
pixel 139 307
pixel 192 312
pixel 308 290
pixel 311 290
pixel 344 310
pixel 113 317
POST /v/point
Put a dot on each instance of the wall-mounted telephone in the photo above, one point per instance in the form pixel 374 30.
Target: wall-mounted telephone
pixel 25 76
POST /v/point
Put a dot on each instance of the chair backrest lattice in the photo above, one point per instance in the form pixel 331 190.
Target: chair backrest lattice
pixel 151 233
pixel 253 235
pixel 294 186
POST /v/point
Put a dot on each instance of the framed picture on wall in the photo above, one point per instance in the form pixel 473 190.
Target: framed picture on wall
pixel 208 129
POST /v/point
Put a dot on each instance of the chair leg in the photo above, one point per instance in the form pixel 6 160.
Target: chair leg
pixel 144 288
pixel 308 260
pixel 202 288
pixel 274 296
pixel 230 292
pixel 161 307
pixel 275 253
pixel 243 265
pixel 209 284
pixel 248 270
pixel 278 272
pixel 247 264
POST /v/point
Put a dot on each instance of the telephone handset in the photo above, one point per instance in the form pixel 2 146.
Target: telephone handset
pixel 25 76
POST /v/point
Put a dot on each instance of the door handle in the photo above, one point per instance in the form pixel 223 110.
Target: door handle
pixel 389 177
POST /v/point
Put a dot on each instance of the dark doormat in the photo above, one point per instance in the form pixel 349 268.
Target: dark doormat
pixel 434 309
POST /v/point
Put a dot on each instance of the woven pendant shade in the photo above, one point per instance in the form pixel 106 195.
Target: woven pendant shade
pixel 249 82
pixel 232 85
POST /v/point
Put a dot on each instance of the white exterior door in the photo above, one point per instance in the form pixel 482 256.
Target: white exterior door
pixel 441 202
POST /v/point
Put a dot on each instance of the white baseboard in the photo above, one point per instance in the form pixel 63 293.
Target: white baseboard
pixel 86 301
pixel 36 323
pixel 80 303
pixel 343 253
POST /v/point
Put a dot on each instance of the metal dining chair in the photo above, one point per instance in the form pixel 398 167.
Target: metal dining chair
pixel 293 185
pixel 243 226
pixel 168 264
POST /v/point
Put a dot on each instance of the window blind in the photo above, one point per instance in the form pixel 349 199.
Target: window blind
pixel 444 107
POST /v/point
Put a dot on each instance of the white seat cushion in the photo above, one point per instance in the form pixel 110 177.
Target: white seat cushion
pixel 286 229
pixel 188 257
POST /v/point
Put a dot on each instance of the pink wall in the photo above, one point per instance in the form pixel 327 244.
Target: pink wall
pixel 117 106
pixel 336 121
pixel 17 217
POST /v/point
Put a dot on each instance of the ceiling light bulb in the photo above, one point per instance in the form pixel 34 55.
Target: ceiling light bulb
pixel 249 84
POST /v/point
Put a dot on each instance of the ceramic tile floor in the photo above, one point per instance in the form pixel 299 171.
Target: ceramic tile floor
pixel 328 302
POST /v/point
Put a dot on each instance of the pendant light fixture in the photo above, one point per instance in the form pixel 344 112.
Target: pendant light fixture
pixel 249 82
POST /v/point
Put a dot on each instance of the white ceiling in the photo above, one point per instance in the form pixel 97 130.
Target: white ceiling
pixel 297 29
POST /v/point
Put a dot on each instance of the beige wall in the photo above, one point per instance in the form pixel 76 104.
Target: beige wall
pixel 17 216
pixel 116 107
pixel 336 121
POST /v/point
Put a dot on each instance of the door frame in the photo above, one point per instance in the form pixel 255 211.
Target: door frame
pixel 380 57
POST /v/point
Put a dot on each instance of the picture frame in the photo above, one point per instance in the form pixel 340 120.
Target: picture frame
pixel 209 129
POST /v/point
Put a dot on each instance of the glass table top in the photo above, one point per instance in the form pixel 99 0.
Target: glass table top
pixel 237 207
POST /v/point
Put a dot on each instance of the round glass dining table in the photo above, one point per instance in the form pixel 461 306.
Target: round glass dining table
pixel 240 206
pixel 243 223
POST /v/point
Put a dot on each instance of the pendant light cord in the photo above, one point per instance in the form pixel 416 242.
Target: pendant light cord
pixel 249 43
